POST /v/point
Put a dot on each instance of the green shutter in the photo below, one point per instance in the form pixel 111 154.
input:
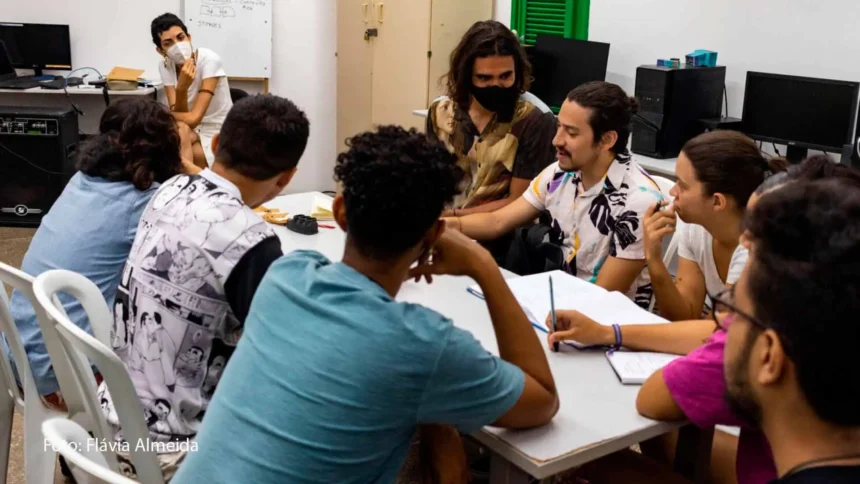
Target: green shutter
pixel 563 18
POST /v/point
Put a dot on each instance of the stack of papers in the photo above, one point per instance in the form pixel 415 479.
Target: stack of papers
pixel 607 308
pixel 321 209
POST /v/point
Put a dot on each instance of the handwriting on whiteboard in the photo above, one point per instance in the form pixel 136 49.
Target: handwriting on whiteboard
pixel 216 11
pixel 211 25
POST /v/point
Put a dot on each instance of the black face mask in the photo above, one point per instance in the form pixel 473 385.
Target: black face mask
pixel 496 99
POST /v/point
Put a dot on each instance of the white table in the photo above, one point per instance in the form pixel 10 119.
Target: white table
pixel 90 101
pixel 597 416
pixel 655 166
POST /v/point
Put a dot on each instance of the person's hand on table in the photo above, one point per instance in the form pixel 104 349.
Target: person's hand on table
pixel 454 254
pixel 573 325
pixel 186 75
pixel 657 224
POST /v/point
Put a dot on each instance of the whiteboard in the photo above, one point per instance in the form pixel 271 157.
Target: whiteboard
pixel 240 31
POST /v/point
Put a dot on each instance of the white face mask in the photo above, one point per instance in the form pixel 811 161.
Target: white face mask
pixel 180 52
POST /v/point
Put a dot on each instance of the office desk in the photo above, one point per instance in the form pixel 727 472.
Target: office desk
pixel 597 416
pixel 665 168
pixel 90 101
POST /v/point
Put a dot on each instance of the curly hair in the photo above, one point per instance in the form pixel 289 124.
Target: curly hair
pixel 803 283
pixel 137 142
pixel 264 135
pixel 395 185
pixel 484 39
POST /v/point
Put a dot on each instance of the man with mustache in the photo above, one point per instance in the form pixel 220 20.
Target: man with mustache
pixel 595 196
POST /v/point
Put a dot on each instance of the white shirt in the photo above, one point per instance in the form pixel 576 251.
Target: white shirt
pixel 697 244
pixel 209 65
pixel 603 221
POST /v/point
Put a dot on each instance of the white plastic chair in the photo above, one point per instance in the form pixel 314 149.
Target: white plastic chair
pixel 79 345
pixel 39 463
pixel 71 441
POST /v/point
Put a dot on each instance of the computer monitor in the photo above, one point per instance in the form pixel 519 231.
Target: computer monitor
pixel 37 46
pixel 559 65
pixel 800 112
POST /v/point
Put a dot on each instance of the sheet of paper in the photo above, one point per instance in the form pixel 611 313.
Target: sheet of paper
pixel 634 367
pixel 607 308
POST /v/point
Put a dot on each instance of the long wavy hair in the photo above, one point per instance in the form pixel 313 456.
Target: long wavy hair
pixel 137 142
pixel 484 39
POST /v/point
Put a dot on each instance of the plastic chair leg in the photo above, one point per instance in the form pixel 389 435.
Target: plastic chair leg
pixel 39 462
pixel 7 412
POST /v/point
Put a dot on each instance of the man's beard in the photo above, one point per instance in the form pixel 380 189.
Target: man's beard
pixel 578 164
pixel 739 395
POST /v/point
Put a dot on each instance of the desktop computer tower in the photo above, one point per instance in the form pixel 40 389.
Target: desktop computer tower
pixel 672 101
pixel 37 147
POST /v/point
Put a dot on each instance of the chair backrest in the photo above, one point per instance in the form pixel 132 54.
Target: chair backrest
pixel 79 346
pixel 23 283
pixel 71 441
pixel 237 94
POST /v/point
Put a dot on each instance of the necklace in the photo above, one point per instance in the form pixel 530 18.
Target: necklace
pixel 806 465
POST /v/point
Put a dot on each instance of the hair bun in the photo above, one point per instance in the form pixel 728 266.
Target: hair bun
pixel 634 105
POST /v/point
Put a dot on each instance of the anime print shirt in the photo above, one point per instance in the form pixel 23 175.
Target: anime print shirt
pixel 173 325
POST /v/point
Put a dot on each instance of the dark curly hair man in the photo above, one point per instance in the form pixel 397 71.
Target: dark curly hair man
pixel 342 375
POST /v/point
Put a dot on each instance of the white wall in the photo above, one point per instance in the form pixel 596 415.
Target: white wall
pixel 502 11
pixel 803 37
pixel 106 33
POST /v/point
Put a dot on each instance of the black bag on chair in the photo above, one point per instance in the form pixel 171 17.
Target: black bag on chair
pixel 535 249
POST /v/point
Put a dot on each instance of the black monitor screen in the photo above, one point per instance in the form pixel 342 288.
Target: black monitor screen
pixel 5 64
pixel 802 111
pixel 560 64
pixel 37 45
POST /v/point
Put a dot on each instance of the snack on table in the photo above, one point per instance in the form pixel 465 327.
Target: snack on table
pixel 273 215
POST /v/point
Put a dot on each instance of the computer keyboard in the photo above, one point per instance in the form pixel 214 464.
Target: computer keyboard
pixel 20 83
pixel 55 84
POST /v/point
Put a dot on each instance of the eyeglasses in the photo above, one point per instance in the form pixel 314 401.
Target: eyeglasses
pixel 724 310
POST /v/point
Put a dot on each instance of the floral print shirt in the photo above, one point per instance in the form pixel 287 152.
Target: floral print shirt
pixel 603 221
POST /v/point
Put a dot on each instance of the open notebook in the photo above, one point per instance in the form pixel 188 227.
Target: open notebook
pixel 532 292
pixel 634 367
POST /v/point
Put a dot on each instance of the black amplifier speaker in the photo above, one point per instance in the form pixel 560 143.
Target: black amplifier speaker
pixel 37 147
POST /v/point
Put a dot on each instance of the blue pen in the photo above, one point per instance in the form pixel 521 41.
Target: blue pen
pixel 552 311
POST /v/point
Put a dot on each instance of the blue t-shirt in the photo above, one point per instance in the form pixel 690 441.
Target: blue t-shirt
pixel 331 378
pixel 89 230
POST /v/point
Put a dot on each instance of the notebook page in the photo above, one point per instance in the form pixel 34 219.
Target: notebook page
pixel 634 367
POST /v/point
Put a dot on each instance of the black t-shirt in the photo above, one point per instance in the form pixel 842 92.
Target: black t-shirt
pixel 244 279
pixel 822 475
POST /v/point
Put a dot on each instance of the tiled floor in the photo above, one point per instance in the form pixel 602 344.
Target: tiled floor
pixel 13 245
